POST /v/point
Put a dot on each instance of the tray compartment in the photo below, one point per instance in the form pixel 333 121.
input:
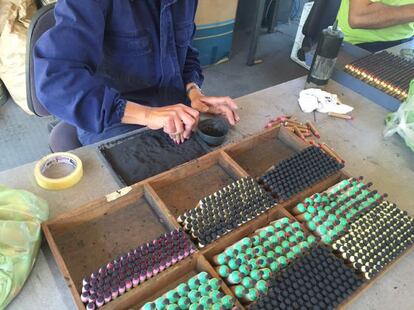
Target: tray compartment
pixel 89 237
pixel 172 277
pixel 184 187
pixel 142 155
pixel 259 153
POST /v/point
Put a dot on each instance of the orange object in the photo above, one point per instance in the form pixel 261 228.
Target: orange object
pixel 342 116
pixel 313 129
pixel 335 153
pixel 329 151
pixel 298 133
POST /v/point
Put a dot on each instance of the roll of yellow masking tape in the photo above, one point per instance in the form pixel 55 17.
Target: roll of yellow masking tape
pixel 58 171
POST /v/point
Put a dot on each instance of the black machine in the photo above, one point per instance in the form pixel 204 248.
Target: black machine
pixel 324 60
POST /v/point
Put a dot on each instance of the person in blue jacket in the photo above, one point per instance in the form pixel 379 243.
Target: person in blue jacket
pixel 109 66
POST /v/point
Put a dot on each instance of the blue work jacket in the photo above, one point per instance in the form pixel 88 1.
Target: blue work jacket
pixel 101 53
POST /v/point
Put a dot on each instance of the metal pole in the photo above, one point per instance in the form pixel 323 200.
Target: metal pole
pixel 260 7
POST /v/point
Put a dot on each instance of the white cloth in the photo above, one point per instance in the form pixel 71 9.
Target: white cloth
pixel 316 99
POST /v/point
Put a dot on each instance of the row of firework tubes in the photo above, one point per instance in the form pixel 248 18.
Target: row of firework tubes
pixel 392 76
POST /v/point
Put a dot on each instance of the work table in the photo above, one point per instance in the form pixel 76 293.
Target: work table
pixel 386 162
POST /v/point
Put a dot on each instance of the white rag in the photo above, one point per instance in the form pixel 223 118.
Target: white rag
pixel 316 99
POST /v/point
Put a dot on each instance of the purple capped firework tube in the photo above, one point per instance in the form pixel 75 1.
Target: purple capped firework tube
pixel 130 269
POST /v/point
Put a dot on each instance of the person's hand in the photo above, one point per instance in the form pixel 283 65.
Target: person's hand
pixel 177 120
pixel 224 106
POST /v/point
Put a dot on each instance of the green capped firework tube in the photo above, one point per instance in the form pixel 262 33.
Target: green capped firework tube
pixel 239 291
pixel 161 303
pixel 216 296
pixel 223 271
pixel 251 296
pixel 206 302
pixel 234 278
pixel 227 302
pixel 261 286
pixel 172 296
pixel 149 306
pixel 194 296
pixel 248 282
pixel 184 302
pixel 183 289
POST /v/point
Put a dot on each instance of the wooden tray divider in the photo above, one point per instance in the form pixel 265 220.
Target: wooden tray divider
pixel 161 209
pixel 230 165
pixel 62 266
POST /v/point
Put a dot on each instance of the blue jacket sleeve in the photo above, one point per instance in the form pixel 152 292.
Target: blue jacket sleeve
pixel 65 62
pixel 192 68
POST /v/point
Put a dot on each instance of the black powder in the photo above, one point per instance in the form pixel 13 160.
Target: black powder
pixel 148 153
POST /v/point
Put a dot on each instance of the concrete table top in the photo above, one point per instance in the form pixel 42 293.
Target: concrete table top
pixel 387 163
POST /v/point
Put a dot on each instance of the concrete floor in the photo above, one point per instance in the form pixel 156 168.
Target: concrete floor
pixel 24 138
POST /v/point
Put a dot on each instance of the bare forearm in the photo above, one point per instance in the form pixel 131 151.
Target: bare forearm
pixel 374 15
pixel 194 92
pixel 135 114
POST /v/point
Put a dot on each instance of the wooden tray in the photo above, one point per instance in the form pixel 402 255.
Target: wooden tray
pixel 87 238
pixel 137 214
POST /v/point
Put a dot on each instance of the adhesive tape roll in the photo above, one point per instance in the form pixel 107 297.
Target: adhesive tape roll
pixel 58 171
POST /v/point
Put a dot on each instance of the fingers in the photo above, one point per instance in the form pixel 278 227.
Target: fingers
pixel 194 113
pixel 225 110
pixel 188 121
pixel 180 122
pixel 229 114
pixel 200 106
pixel 220 100
pixel 179 127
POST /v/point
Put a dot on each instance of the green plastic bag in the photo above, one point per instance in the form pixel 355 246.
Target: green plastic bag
pixel 21 214
pixel 402 121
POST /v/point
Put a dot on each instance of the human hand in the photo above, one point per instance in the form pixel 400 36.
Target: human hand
pixel 177 121
pixel 224 106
